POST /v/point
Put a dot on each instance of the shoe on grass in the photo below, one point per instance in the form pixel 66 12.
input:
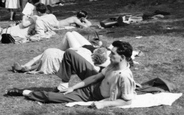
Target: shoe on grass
pixel 14 92
pixel 18 68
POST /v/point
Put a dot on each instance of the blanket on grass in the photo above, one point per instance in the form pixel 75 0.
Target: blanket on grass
pixel 143 100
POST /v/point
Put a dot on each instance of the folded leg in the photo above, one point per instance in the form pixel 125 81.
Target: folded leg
pixel 73 63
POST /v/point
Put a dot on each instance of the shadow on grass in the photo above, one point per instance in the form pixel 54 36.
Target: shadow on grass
pixel 47 89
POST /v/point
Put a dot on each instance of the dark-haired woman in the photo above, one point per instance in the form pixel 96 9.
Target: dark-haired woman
pixel 79 20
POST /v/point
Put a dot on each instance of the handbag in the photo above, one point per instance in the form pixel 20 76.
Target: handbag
pixel 7 38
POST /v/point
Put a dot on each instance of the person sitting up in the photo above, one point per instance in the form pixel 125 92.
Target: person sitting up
pixel 45 23
pixel 32 28
pixel 80 20
pixel 113 86
pixel 49 61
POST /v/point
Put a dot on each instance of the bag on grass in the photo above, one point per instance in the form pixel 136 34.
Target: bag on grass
pixel 116 21
pixel 110 22
pixel 157 85
pixel 7 38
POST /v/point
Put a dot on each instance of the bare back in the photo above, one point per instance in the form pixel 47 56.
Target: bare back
pixel 68 21
pixel 74 21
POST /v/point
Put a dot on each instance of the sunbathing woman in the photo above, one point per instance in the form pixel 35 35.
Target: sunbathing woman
pixel 80 20
pixel 49 61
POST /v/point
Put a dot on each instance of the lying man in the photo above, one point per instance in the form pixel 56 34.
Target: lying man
pixel 114 85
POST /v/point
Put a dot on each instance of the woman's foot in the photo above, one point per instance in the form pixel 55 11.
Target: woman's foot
pixel 18 68
pixel 14 92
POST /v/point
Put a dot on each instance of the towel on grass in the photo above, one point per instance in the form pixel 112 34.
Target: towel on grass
pixel 143 100
pixel 65 28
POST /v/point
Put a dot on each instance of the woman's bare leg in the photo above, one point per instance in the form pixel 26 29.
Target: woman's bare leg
pixel 69 41
pixel 64 42
pixel 80 39
pixel 32 62
pixel 11 14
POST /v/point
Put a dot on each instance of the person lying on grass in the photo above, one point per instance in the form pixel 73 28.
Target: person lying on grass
pixel 80 20
pixel 49 61
pixel 113 86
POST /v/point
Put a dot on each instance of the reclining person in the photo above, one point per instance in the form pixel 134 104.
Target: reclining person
pixel 34 27
pixel 114 86
pixel 80 20
pixel 49 61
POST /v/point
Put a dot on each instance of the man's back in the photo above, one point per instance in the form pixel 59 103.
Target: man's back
pixel 47 22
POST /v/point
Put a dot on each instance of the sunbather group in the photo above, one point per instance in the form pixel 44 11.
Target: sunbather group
pixel 105 72
pixel 41 25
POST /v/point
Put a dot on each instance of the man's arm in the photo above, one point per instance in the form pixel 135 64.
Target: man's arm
pixel 125 86
pixel 107 103
pixel 85 82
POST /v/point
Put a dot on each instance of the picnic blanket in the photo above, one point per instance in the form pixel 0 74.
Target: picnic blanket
pixel 65 28
pixel 143 100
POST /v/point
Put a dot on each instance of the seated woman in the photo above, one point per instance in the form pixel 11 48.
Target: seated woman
pixel 49 61
pixel 80 20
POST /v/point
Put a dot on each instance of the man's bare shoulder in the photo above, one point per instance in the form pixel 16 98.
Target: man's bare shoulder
pixel 124 73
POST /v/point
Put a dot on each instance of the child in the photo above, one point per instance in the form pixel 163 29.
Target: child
pixel 12 5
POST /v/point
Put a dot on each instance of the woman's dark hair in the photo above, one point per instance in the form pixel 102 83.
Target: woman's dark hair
pixel 82 14
pixel 41 7
pixel 124 49
pixel 49 9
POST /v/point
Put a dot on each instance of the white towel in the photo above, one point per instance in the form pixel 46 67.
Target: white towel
pixel 144 100
pixel 65 28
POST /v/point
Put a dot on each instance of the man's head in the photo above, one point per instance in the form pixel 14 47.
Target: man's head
pixel 99 56
pixel 121 51
pixel 82 14
pixel 40 8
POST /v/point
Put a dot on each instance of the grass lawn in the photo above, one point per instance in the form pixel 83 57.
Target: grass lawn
pixel 162 44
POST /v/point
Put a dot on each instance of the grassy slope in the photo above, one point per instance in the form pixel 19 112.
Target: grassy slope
pixel 163 57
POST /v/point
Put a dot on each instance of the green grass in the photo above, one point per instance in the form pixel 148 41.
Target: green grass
pixel 162 47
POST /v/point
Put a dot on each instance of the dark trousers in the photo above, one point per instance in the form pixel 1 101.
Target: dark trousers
pixel 72 63
pixel 89 93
